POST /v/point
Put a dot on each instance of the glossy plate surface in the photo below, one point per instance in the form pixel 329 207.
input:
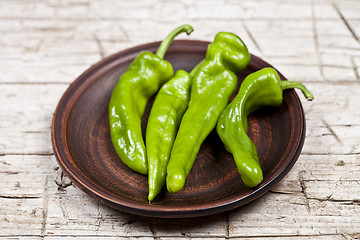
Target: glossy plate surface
pixel 83 148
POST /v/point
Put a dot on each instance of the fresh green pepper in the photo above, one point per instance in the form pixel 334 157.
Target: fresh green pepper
pixel 211 89
pixel 261 88
pixel 166 112
pixel 129 98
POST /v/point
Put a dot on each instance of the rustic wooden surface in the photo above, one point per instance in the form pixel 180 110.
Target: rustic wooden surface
pixel 45 45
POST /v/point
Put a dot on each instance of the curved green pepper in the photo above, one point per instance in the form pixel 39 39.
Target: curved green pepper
pixel 261 88
pixel 129 98
pixel 211 89
pixel 166 113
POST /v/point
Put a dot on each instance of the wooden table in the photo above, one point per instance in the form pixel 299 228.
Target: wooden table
pixel 45 45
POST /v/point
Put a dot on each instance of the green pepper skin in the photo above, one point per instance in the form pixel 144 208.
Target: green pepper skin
pixel 211 89
pixel 261 88
pixel 164 119
pixel 127 104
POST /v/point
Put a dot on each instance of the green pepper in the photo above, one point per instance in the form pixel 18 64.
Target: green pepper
pixel 261 88
pixel 166 113
pixel 211 89
pixel 141 80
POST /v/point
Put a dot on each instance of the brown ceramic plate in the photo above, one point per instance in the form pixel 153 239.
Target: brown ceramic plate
pixel 83 148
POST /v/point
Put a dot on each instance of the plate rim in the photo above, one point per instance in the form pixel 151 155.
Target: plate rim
pixel 85 184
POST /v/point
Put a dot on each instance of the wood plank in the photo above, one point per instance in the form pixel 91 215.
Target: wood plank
pixel 25 175
pixel 72 210
pixel 45 45
pixel 26 117
pixel 20 216
pixel 333 129
pixel 288 214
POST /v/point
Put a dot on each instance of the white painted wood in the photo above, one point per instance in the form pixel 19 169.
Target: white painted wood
pixel 45 45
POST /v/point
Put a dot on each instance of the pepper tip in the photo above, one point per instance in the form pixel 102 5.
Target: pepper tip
pixel 175 182
pixel 189 29
pixel 310 98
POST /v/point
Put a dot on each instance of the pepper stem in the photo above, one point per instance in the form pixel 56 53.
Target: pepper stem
pixel 293 84
pixel 196 68
pixel 167 41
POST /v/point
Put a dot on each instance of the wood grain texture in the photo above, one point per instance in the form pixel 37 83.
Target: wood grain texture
pixel 45 45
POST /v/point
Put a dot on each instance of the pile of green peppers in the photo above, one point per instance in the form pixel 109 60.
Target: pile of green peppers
pixel 187 107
